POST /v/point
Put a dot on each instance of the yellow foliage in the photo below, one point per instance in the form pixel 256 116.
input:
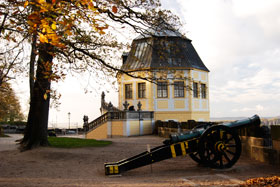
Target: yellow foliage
pixel 43 38
pixel 51 27
pixel 41 1
pixel 68 32
pixel 45 96
pixel 25 4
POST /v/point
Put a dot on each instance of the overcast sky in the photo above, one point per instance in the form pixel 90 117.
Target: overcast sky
pixel 239 42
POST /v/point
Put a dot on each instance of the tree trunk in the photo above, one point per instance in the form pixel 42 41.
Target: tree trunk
pixel 32 63
pixel 37 125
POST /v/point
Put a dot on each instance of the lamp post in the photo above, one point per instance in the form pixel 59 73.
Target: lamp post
pixel 69 119
pixel 140 118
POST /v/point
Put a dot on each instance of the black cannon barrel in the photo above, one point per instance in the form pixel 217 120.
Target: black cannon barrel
pixel 254 120
pixel 174 138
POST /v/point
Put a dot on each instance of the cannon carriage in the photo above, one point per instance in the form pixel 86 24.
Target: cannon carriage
pixel 215 146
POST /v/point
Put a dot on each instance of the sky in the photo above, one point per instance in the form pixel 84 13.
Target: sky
pixel 238 40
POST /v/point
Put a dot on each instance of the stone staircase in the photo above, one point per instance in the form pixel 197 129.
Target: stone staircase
pixel 120 115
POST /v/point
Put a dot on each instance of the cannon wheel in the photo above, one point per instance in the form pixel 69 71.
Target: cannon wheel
pixel 195 155
pixel 219 147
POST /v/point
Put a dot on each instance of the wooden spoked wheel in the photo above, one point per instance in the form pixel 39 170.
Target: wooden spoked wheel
pixel 219 147
pixel 195 157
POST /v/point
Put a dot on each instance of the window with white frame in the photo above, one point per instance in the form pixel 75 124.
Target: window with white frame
pixel 195 90
pixel 179 89
pixel 203 91
pixel 142 90
pixel 128 91
pixel 162 90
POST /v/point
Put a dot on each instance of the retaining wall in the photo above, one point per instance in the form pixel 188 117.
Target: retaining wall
pixel 261 149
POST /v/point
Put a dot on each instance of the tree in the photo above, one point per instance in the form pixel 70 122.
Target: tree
pixel 10 64
pixel 77 33
pixel 10 109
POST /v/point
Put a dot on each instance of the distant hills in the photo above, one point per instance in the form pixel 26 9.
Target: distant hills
pixel 265 120
pixel 227 118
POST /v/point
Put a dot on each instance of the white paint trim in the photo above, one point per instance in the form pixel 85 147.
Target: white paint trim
pixel 124 128
pixel 127 128
pixel 141 128
pixel 109 128
pixel 153 124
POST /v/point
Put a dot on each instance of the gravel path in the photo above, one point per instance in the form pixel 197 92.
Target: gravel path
pixel 9 143
pixel 85 167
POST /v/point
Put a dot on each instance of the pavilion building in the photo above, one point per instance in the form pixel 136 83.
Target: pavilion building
pixel 169 82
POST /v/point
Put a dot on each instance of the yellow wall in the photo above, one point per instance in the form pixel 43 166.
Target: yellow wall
pixel 195 75
pixel 150 92
pixel 201 115
pixel 204 104
pixel 203 77
pixel 196 104
pixel 146 102
pixel 117 128
pixel 178 104
pixel 147 127
pixel 126 77
pixel 98 133
pixel 134 128
pixel 179 74
pixel 181 116
pixel 162 104
pixel 143 102
pixel 169 115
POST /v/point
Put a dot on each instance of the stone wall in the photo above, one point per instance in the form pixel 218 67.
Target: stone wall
pixel 256 149
pixel 165 132
pixel 261 149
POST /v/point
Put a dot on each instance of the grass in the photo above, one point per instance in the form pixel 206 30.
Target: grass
pixel 4 136
pixel 63 142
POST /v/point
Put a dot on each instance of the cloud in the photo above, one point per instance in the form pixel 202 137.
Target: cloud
pixel 246 109
pixel 238 40
pixel 245 8
pixel 225 31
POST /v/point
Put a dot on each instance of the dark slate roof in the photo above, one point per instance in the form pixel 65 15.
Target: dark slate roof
pixel 160 32
pixel 162 49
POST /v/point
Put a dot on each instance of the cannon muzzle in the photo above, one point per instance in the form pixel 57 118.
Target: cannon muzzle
pixel 252 121
pixel 174 138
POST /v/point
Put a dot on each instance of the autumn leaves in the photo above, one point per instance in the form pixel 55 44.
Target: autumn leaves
pixel 56 20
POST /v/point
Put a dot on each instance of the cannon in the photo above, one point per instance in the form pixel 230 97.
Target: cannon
pixel 214 146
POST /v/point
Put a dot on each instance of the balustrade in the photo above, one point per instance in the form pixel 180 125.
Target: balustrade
pixel 120 115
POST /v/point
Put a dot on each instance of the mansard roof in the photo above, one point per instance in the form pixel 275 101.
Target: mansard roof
pixel 162 49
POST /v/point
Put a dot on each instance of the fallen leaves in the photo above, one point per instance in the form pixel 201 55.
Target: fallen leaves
pixel 263 181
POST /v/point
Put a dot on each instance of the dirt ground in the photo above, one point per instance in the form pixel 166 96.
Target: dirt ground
pixel 85 167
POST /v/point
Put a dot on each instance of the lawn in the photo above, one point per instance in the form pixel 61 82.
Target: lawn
pixel 63 142
pixel 4 136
